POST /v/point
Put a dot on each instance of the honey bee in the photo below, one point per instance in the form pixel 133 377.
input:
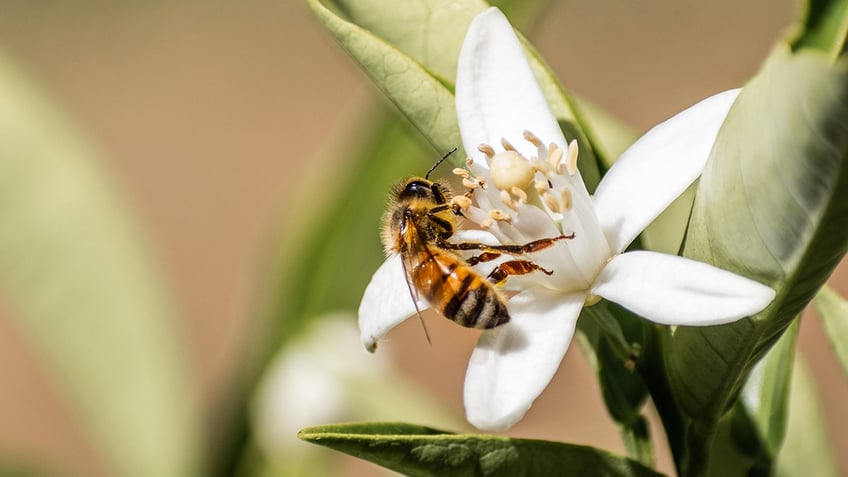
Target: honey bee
pixel 418 224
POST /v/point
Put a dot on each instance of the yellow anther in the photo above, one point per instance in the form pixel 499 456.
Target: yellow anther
pixel 542 186
pixel 517 192
pixel 566 199
pixel 507 200
pixel 532 138
pixel 507 145
pixel 462 202
pixel 469 184
pixel 486 149
pixel 554 157
pixel 462 172
pixel 571 159
pixel 486 224
pixel 551 202
pixel 499 215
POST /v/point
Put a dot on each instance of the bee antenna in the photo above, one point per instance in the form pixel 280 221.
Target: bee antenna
pixel 427 175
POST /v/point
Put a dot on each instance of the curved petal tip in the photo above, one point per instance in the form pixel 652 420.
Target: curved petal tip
pixel 512 364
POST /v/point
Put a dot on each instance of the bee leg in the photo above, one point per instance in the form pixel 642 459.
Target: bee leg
pixel 483 257
pixel 514 267
pixel 524 249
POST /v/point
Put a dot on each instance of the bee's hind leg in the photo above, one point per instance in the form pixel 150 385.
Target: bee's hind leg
pixel 514 267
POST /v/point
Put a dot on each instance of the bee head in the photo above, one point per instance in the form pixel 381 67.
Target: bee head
pixel 422 189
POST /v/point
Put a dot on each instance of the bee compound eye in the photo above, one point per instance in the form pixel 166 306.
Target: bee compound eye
pixel 417 189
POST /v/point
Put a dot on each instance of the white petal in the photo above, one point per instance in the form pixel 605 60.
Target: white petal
pixel 496 93
pixel 657 169
pixel 674 290
pixel 513 364
pixel 474 235
pixel 386 302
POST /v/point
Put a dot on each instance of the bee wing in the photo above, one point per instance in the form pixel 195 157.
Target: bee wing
pixel 409 260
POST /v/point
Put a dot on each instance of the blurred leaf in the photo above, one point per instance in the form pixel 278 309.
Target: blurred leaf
pixel 341 248
pixel 833 311
pixel 304 384
pixel 765 396
pixel 824 27
pixel 14 468
pixel 772 205
pixel 807 449
pixel 422 451
pixel 82 286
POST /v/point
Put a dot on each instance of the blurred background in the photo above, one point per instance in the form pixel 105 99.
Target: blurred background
pixel 212 115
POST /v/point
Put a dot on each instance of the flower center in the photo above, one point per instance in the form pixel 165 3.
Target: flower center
pixel 520 199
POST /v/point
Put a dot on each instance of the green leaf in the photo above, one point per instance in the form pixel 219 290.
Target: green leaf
pixel 83 287
pixel 411 52
pixel 807 449
pixel 765 397
pixel 422 451
pixel 772 205
pixel 750 438
pixel 426 100
pixel 833 311
pixel 824 27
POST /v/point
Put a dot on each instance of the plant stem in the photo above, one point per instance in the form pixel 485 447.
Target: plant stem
pixel 699 437
pixel 652 369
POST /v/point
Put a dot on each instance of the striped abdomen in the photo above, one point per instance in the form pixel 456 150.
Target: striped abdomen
pixel 456 290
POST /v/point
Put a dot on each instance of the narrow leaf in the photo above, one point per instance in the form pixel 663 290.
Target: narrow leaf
pixel 423 98
pixel 833 311
pixel 824 27
pixel 84 289
pixel 411 53
pixel 765 396
pixel 807 449
pixel 421 451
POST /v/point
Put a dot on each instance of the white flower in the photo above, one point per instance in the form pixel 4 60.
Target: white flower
pixel 535 191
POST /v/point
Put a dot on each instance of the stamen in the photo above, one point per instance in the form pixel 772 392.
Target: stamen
pixel 507 200
pixel 554 157
pixel 571 159
pixel 470 184
pixel 500 215
pixel 469 161
pixel 542 186
pixel 518 192
pixel 532 138
pixel 462 172
pixel 462 202
pixel 486 149
pixel 566 199
pixel 507 145
pixel 551 202
pixel 486 224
